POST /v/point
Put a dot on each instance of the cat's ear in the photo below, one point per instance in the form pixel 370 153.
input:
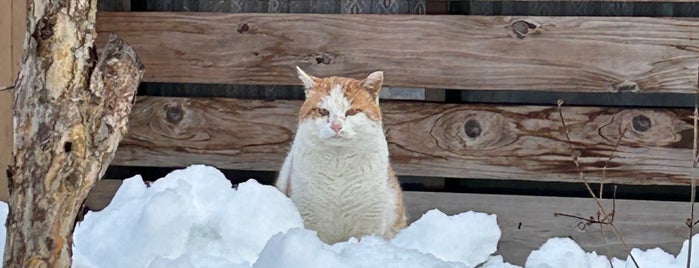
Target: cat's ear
pixel 308 80
pixel 373 83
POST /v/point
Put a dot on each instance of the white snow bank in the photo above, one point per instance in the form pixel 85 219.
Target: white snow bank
pixel 564 252
pixel 193 211
pixel 435 240
pixel 194 218
pixel 477 236
pixel 657 258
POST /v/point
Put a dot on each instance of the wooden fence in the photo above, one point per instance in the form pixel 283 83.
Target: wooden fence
pixel 510 48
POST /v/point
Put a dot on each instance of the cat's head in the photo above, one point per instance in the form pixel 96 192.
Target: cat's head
pixel 341 108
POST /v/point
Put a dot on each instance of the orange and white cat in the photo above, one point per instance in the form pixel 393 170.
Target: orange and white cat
pixel 337 171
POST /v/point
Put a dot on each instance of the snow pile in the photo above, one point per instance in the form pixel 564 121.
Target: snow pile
pixel 657 258
pixel 194 218
pixel 193 211
pixel 435 240
pixel 564 252
pixel 477 236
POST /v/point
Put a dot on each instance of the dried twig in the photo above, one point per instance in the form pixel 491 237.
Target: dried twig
pixel 7 88
pixel 605 218
pixel 693 182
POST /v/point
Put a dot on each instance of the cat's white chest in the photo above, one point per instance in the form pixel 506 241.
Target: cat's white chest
pixel 342 191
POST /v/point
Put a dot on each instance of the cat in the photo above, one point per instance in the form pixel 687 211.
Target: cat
pixel 337 171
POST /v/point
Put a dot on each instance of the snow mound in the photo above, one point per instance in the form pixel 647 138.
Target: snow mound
pixel 192 211
pixel 564 252
pixel 435 240
pixel 469 237
pixel 193 218
pixel 657 258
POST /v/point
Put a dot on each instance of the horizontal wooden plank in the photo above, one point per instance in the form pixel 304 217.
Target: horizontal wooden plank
pixel 528 221
pixel 426 139
pixel 590 54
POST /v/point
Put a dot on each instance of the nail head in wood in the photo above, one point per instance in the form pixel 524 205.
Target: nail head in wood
pixel 174 114
pixel 641 123
pixel 473 128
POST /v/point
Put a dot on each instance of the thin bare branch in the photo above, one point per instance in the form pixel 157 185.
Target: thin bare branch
pixel 575 154
pixel 693 183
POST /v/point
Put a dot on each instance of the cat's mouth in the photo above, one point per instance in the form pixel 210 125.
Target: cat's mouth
pixel 337 138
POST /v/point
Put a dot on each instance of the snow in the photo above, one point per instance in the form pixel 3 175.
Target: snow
pixel 193 211
pixel 478 235
pixel 195 218
pixel 564 252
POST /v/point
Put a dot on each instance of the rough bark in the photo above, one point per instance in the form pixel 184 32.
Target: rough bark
pixel 70 112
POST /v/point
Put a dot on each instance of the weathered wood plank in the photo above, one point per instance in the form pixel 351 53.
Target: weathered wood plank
pixel 426 139
pixel 527 221
pixel 591 54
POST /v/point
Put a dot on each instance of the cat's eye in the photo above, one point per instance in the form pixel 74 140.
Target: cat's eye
pixel 352 112
pixel 322 112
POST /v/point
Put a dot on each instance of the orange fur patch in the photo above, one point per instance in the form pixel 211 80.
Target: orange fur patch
pixel 400 209
pixel 360 98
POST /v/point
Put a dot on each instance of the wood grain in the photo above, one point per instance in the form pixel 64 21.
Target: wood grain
pixel 587 54
pixel 528 221
pixel 426 139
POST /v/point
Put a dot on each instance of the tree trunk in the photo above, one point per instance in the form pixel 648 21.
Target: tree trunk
pixel 70 112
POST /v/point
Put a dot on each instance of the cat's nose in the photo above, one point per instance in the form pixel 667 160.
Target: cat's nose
pixel 336 126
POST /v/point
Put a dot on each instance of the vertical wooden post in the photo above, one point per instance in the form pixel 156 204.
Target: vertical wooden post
pixel 71 111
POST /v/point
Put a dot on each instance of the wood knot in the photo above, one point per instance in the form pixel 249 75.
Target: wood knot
pixel 318 58
pixel 174 114
pixel 323 59
pixel 626 86
pixel 473 128
pixel 522 28
pixel 641 123
pixel 243 27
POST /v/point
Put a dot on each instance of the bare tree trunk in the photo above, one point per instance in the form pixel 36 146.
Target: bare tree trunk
pixel 70 112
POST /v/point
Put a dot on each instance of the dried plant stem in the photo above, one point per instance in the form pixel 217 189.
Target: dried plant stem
pixel 601 186
pixel 608 218
pixel 693 185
